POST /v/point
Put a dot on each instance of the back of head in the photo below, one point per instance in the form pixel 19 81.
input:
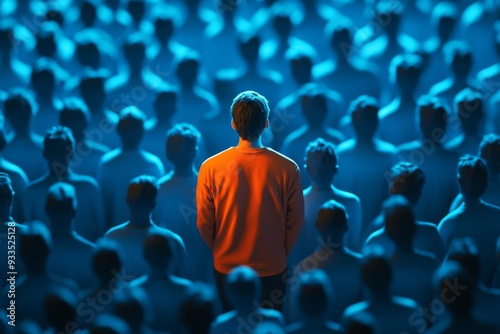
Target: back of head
pixel 314 294
pixel 137 9
pixel 88 13
pixel 362 323
pixel 405 71
pixel 157 250
pixel 459 57
pixel 469 106
pixel 465 252
pixel 199 305
pixel 188 65
pixel 19 108
pixel 399 220
pixel 74 115
pixel 134 49
pixel 182 144
pixel 390 16
pixel 314 105
pixel 35 244
pixel 452 272
pixel 106 260
pixel 301 62
pixel 132 306
pixel 321 161
pixel 364 116
pixel 47 38
pixel 243 286
pixel 142 192
pixel 7 34
pixel 472 177
pixel 376 271
pixel 43 77
pixel 407 179
pixel 58 146
pixel 165 104
pixel 249 45
pixel 164 26
pixel 87 48
pixel 92 87
pixel 339 34
pixel 249 113
pixel 433 117
pixel 444 17
pixel 489 151
pixel 282 23
pixel 60 308
pixel 61 204
pixel 131 127
pixel 331 221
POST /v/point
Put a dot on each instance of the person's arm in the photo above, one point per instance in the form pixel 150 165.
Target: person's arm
pixel 205 208
pixel 295 211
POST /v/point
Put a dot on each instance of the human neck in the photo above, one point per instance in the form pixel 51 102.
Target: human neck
pixel 405 248
pixel 471 202
pixel 250 144
pixel 321 187
pixel 184 171
pixel 140 219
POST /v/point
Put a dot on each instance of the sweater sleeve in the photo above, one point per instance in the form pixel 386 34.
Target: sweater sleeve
pixel 205 208
pixel 295 211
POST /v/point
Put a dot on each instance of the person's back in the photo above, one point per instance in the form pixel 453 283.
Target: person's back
pixel 88 222
pixel 25 148
pixel 437 163
pixel 243 289
pixel 341 265
pixel 160 285
pixel 71 254
pixel 248 215
pixel 141 200
pixel 119 166
pixel 411 269
pixel 176 207
pixel 353 174
pixel 474 218
pixel 394 314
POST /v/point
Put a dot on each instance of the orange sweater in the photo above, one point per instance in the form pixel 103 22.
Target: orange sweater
pixel 250 208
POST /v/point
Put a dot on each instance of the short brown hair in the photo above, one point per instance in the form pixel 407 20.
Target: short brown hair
pixel 249 111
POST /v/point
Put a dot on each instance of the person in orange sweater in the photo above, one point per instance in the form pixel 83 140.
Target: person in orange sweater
pixel 250 204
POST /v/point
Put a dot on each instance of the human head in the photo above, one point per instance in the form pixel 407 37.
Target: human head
pixel 88 13
pixel 432 117
pixel 43 77
pixel 465 252
pixel 314 105
pixel 108 324
pixel 87 49
pixel 61 204
pixel 399 221
pixel 199 305
pixel 331 222
pixel 164 27
pixel 472 177
pixel 364 117
pixel 459 57
pixel 314 294
pixel 361 323
pixel 469 106
pixel 47 38
pixel 390 15
pixel 134 49
pixel 376 271
pixel 444 17
pixel 165 104
pixel 7 35
pixel 243 286
pixel 19 108
pixel 321 161
pixel 136 9
pixel 407 179
pixel 75 116
pixel 157 251
pixel 107 261
pixel 405 71
pixel 6 195
pixel 60 308
pixel 282 24
pixel 459 304
pixel 249 115
pixel 133 306
pixel 58 146
pixel 35 244
pixel 141 194
pixel 489 151
pixel 188 65
pixel 182 145
pixel 339 34
pixel 131 127
pixel 249 45
pixel 92 88
pixel 301 62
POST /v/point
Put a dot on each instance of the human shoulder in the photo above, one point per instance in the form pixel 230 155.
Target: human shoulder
pixel 114 231
pixel 110 156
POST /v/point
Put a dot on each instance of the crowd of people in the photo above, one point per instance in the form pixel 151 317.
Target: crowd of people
pixel 250 166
